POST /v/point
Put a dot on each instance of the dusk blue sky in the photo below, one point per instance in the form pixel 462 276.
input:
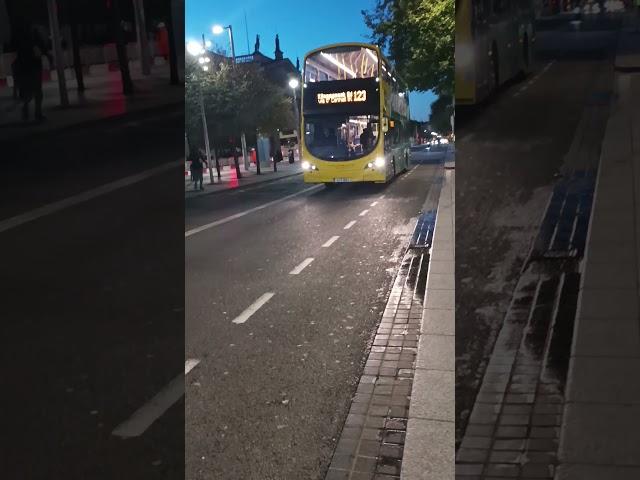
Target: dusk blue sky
pixel 302 25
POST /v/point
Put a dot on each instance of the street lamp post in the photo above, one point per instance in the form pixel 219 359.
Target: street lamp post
pixel 198 51
pixel 217 30
pixel 294 83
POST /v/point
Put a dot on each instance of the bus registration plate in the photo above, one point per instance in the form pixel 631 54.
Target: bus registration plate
pixel 341 180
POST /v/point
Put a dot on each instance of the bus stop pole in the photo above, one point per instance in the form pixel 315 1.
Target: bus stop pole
pixel 143 41
pixel 52 7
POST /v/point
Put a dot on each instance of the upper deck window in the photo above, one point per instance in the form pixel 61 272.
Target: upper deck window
pixel 341 63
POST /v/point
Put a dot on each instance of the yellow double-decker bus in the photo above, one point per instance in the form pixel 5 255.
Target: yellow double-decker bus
pixel 355 116
pixel 494 44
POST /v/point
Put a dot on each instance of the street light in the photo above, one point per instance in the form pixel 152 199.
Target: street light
pixel 294 83
pixel 218 29
pixel 198 50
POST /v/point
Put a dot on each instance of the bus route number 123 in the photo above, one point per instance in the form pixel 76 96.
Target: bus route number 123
pixel 342 97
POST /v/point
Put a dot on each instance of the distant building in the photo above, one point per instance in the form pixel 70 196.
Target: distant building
pixel 278 69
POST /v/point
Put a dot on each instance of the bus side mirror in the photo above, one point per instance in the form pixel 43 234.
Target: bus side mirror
pixel 385 124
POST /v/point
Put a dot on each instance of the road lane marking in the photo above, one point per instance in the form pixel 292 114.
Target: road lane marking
pixel 374 204
pixel 305 263
pixel 364 212
pixel 45 210
pixel 350 224
pixel 329 242
pixel 190 365
pixel 381 197
pixel 144 417
pixel 253 308
pixel 206 226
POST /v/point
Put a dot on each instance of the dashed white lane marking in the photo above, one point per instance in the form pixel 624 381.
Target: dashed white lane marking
pixel 190 365
pixel 144 417
pixel 305 263
pixel 253 308
pixel 206 226
pixel 350 224
pixel 84 196
pixel 329 242
pixel 381 197
pixel 374 204
pixel 364 212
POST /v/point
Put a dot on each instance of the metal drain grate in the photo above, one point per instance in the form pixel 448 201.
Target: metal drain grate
pixel 423 233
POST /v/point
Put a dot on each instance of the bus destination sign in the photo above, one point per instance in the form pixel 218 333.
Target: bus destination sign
pixel 349 96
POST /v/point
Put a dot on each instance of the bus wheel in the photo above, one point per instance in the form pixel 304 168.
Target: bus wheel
pixel 495 69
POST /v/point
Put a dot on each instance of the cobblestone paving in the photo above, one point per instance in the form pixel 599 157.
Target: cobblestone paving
pixel 372 441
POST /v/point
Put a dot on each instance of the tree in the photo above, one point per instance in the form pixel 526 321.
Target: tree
pixel 237 98
pixel 418 36
pixel 441 111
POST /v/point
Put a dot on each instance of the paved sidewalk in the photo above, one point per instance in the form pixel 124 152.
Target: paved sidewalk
pixel 102 99
pixel 600 435
pixel 429 447
pixel 230 181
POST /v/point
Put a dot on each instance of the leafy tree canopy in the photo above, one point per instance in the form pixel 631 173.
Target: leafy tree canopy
pixel 418 36
pixel 237 98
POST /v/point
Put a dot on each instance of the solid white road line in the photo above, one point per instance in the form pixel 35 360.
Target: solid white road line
pixel 350 224
pixel 201 228
pixel 329 242
pixel 84 196
pixel 374 204
pixel 253 308
pixel 305 263
pixel 364 212
pixel 142 418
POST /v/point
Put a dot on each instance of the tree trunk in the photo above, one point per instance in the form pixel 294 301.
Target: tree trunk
pixel 77 61
pixel 173 55
pixel 123 61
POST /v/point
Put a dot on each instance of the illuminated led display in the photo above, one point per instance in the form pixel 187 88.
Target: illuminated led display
pixel 350 96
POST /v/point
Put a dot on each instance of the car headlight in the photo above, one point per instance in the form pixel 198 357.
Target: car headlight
pixel 306 165
pixel 380 162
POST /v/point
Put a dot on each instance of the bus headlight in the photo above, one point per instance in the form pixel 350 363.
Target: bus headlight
pixel 380 162
pixel 369 165
pixel 306 165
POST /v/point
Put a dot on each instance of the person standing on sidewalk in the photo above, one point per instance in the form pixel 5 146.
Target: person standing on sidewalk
pixel 28 68
pixel 197 167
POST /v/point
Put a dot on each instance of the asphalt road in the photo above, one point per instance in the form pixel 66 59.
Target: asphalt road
pixel 510 152
pixel 92 303
pixel 269 396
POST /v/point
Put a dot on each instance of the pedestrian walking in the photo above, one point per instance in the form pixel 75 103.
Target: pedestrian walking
pixel 197 168
pixel 31 47
pixel 291 158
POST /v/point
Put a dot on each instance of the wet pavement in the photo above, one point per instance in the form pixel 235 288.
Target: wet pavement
pixel 509 166
pixel 372 441
pixel 282 321
pixel 512 427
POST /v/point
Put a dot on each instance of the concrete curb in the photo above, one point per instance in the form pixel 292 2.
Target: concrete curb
pixel 429 450
pixel 249 185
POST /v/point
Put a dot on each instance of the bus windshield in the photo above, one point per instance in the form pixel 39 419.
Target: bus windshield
pixel 341 136
pixel 341 63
